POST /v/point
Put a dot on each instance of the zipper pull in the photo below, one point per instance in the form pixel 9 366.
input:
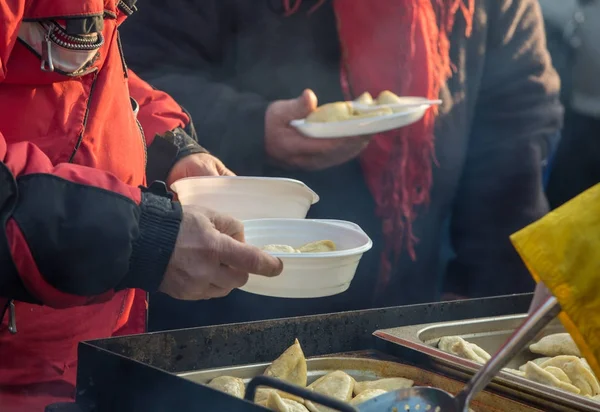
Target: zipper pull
pixel 47 65
pixel 12 318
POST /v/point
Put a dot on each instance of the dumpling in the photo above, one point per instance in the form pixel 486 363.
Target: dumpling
pixel 582 378
pixel 279 249
pixel 381 111
pixel 365 98
pixel 366 395
pixel 331 112
pixel 317 247
pixel 290 366
pixel 514 372
pixel 460 347
pixel 387 97
pixel 537 374
pixel 230 385
pixel 558 373
pixel 556 345
pixel 262 396
pixel 578 373
pixel 278 404
pixel 385 384
pixel 537 361
pixel 337 384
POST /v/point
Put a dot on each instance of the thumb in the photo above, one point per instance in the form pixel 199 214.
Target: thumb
pixel 301 106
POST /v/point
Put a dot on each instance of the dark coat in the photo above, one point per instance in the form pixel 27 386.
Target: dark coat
pixel 225 60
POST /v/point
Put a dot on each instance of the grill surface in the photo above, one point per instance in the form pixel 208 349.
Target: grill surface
pixel 130 373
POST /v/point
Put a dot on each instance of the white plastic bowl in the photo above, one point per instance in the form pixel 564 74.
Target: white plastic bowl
pixel 307 275
pixel 247 197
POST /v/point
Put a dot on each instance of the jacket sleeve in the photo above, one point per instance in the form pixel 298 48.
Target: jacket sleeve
pixel 72 235
pixel 168 128
pixel 517 114
pixel 180 49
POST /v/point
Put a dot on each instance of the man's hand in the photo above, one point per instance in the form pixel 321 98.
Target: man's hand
pixel 199 164
pixel 289 148
pixel 210 258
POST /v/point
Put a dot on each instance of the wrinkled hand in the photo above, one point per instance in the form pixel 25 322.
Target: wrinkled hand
pixel 199 164
pixel 289 148
pixel 210 258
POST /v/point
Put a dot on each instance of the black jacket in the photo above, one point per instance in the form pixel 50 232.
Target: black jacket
pixel 225 60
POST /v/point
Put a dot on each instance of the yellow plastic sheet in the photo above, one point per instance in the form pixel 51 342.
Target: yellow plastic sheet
pixel 563 250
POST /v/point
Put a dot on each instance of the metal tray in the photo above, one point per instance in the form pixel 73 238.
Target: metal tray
pixel 369 369
pixel 489 334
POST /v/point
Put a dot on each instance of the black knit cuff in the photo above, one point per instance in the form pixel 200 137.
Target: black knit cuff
pixel 159 223
pixel 166 150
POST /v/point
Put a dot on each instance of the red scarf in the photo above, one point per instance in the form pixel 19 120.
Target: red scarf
pixel 402 46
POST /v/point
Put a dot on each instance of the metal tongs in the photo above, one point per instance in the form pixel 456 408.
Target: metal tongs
pixel 431 399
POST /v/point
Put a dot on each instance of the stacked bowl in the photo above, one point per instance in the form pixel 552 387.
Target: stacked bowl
pixel 274 211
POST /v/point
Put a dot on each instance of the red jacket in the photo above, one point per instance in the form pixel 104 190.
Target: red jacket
pixel 79 232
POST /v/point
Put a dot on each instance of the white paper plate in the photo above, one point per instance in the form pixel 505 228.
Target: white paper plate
pixel 245 197
pixel 307 275
pixel 365 126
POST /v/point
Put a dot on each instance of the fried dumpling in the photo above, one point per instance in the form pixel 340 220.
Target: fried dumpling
pixel 558 373
pixel 262 395
pixel 380 111
pixel 556 345
pixel 366 395
pixel 582 378
pixel 230 385
pixel 537 361
pixel 514 372
pixel 387 97
pixel 365 98
pixel 279 249
pixel 537 374
pixel 278 404
pixel 385 384
pixel 578 373
pixel 318 247
pixel 460 347
pixel 337 384
pixel 290 366
pixel 331 112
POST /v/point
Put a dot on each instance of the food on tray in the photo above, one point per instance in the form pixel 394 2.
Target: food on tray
pixel 340 111
pixel 555 345
pixel 331 112
pixel 537 374
pixel 337 384
pixel 290 366
pixel 460 347
pixel 559 368
pixel 278 404
pixel 318 246
pixel 365 98
pixel 388 98
pixel 366 395
pixel 229 384
pixel 386 384
pixel 279 249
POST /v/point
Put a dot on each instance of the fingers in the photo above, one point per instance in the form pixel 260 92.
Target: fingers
pixel 229 226
pixel 309 100
pixel 214 291
pixel 229 278
pixel 246 258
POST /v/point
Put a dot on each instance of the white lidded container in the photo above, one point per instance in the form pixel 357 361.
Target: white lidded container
pixel 247 197
pixel 307 275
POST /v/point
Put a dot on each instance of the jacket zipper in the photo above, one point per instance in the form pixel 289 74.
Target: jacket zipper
pixel 143 136
pixel 85 118
pixel 55 34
